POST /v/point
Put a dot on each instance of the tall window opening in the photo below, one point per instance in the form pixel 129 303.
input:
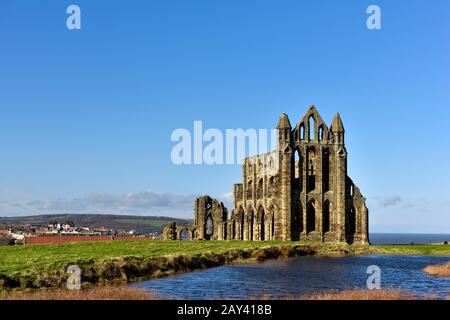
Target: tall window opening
pixel 302 131
pixel 311 185
pixel 326 170
pixel 209 228
pixel 326 217
pixel 311 128
pixel 311 218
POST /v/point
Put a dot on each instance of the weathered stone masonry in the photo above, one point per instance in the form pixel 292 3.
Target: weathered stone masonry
pixel 300 191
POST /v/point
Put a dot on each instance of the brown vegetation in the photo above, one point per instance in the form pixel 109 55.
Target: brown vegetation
pixel 439 270
pixel 360 294
pixel 130 293
pixel 351 294
pixel 99 293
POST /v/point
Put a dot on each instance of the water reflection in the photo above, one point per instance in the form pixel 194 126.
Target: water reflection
pixel 302 275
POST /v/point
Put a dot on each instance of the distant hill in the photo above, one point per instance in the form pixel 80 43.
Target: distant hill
pixel 142 224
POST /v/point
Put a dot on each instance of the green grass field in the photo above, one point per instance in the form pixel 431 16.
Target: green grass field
pixel 23 259
pixel 32 264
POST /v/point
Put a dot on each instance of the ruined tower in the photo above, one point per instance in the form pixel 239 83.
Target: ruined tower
pixel 299 191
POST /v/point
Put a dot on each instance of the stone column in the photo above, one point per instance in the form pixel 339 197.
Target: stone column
pixel 364 224
pixel 286 193
pixel 341 158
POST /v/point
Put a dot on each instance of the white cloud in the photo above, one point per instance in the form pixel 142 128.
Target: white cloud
pixel 388 201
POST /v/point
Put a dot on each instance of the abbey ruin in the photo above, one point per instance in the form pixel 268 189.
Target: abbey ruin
pixel 299 191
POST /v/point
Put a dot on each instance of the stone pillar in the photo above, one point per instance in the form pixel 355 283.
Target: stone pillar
pixel 364 224
pixel 286 193
pixel 320 197
pixel 303 195
pixel 245 225
pixel 340 173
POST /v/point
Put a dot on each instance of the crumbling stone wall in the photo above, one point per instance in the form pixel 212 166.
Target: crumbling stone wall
pixel 169 232
pixel 177 232
pixel 210 222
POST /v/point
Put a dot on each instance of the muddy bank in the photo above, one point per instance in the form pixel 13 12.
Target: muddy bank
pixel 127 269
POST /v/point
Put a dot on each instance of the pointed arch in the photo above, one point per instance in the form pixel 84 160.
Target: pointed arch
pixel 240 223
pixel 311 217
pixel 350 224
pixel 260 189
pixel 302 131
pixel 209 227
pixel 270 221
pixel 321 133
pixel 271 186
pixel 325 170
pixel 250 189
pixel 298 167
pixel 326 217
pixel 260 223
pixel 315 127
pixel 297 220
pixel 311 128
pixel 311 173
pixel 249 223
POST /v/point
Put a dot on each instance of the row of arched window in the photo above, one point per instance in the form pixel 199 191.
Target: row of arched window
pixel 266 163
pixel 270 189
pixel 310 129
pixel 311 219
pixel 311 170
pixel 253 226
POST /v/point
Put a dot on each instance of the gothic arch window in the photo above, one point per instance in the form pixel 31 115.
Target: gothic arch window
pixel 233 230
pixel 251 222
pixel 209 228
pixel 352 191
pixel 261 220
pixel 311 182
pixel 302 131
pixel 321 133
pixel 250 189
pixel 184 234
pixel 259 189
pixel 297 165
pixel 241 223
pixel 326 217
pixel 311 217
pixel 311 128
pixel 325 170
pixel 350 224
pixel 271 186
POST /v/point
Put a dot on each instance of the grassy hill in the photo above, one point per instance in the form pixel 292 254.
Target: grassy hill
pixel 142 224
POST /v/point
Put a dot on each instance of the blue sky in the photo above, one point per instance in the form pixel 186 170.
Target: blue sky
pixel 86 115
